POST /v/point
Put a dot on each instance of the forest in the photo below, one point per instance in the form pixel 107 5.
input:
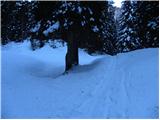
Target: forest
pixel 93 24
pixel 80 59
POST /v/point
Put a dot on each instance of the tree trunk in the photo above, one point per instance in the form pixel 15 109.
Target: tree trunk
pixel 72 51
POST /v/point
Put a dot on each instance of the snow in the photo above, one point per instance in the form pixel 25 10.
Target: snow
pixel 79 9
pixel 56 43
pixel 128 38
pixel 90 11
pixel 102 86
pixel 65 23
pixel 36 28
pixel 18 4
pixel 52 28
pixel 27 0
pixel 152 24
pixel 95 29
pixel 92 19
pixel 83 23
pixel 73 9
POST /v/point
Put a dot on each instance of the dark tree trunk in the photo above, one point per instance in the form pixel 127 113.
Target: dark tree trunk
pixel 72 50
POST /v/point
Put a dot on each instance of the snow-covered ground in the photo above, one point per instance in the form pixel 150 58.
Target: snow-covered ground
pixel 34 86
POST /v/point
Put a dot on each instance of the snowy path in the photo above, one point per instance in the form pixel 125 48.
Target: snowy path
pixel 103 101
pixel 124 86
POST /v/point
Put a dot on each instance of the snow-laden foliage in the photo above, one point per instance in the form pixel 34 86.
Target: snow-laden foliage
pixel 85 20
pixel 92 24
pixel 127 33
pixel 17 19
pixel 51 28
pixel 138 25
pixel 109 30
pixel 36 27
pixel 148 23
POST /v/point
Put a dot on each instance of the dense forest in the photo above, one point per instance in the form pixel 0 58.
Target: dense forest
pixel 93 25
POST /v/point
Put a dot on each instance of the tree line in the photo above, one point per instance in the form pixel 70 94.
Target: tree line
pixel 138 25
pixel 90 25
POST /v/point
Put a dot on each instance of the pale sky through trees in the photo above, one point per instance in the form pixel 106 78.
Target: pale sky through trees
pixel 117 3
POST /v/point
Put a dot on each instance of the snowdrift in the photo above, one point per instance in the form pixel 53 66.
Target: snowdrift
pixel 34 86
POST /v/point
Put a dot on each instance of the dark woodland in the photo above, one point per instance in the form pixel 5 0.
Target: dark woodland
pixel 92 26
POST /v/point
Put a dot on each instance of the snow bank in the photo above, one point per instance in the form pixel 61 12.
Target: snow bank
pixel 34 86
pixel 52 28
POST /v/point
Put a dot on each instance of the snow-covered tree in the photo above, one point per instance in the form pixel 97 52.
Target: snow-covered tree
pixel 43 23
pixel 81 26
pixel 127 33
pixel 148 23
pixel 87 17
pixel 138 25
pixel 109 29
pixel 5 20
pixel 17 18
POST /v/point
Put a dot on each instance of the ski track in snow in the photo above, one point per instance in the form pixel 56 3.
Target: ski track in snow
pixel 107 95
pixel 78 94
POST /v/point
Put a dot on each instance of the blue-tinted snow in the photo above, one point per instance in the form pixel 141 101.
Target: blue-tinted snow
pixel 52 28
pixel 95 29
pixel 91 19
pixel 36 28
pixel 152 24
pixel 122 86
pixel 18 4
pixel 83 23
pixel 90 11
pixel 79 9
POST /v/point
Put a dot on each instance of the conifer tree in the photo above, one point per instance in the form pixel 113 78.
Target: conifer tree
pixel 109 30
pixel 127 34
pixel 148 23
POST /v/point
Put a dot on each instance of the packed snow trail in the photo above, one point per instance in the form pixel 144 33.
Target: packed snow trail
pixel 123 86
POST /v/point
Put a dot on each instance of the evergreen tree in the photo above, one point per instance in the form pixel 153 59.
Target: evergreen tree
pixel 88 19
pixel 148 23
pixel 139 25
pixel 5 21
pixel 43 20
pixel 17 19
pixel 127 34
pixel 81 26
pixel 109 29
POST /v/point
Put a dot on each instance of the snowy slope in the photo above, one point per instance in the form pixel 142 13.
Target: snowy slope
pixel 33 84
